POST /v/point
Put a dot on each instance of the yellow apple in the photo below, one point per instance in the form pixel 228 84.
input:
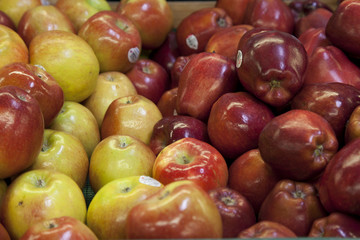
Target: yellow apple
pixel 76 119
pixel 16 8
pixel 65 153
pixel 37 195
pixel 133 115
pixel 69 59
pixel 110 86
pixel 119 156
pixel 106 217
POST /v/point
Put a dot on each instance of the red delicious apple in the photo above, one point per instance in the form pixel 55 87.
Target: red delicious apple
pixel 114 38
pixel 252 177
pixel 313 38
pixel 236 211
pixel 178 67
pixel 316 19
pixel 64 228
pixel 169 129
pixel 343 28
pixel 298 144
pixel 235 122
pixel 352 127
pixel 22 129
pixel 6 20
pixel 267 229
pixel 204 79
pixel 181 209
pixel 167 102
pixel 191 159
pixel 39 83
pixel 234 8
pixel 293 204
pixel 149 78
pixel 274 14
pixel 195 30
pixel 275 82
pixel 301 8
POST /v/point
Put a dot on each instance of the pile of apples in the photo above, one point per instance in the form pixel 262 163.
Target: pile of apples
pixel 243 121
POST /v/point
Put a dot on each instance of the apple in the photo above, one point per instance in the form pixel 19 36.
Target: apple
pixel 153 19
pixel 298 144
pixel 38 83
pixel 106 217
pixel 79 11
pixel 313 38
pixel 294 204
pixel 195 30
pixel 4 235
pixel 39 195
pixel 252 177
pixel 132 115
pixel 22 129
pixel 274 82
pixel 235 122
pixel 204 79
pixel 16 8
pixel 65 227
pixel 317 18
pixel 191 159
pixel 167 102
pixel 119 156
pixel 178 67
pixel 180 209
pixel 169 129
pixel 114 39
pixel 236 211
pixel 6 20
pixel 12 47
pixel 236 9
pixel 110 86
pixel 69 59
pixel 149 78
pixel 3 188
pixel 301 8
pixel 345 17
pixel 267 229
pixel 65 153
pixel 352 130
pixel 225 41
pixel 77 120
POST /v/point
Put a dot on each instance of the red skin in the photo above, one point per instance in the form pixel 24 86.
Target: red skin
pixel 167 102
pixel 6 20
pixel 316 19
pixel 4 235
pixel 234 8
pixel 313 38
pixel 177 68
pixel 267 229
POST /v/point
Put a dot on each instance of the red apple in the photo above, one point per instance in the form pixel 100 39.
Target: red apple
pixel 167 102
pixel 39 83
pixel 195 30
pixel 234 8
pixel 313 38
pixel 267 229
pixel 204 79
pixel 114 38
pixel 6 20
pixel 301 8
pixel 235 122
pixel 191 159
pixel 236 211
pixel 4 235
pixel 65 228
pixel 181 209
pixel 316 19
pixel 22 129
pixel 149 78
pixel 169 129
pixel 298 144
pixel 178 67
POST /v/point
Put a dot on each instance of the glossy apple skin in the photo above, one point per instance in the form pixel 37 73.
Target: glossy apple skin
pixel 195 30
pixel 313 38
pixel 191 159
pixel 330 64
pixel 39 83
pixel 6 20
pixel 236 211
pixel 274 82
pixel 274 14
pixel 333 101
pixel 204 79
pixel 115 40
pixel 352 128
pixel 65 228
pixel 339 185
pixel 172 128
pixel 149 78
pixel 252 177
pixel 301 8
pixel 267 229
pixel 336 225
pixel 40 19
pixel 293 204
pixel 235 122
pixel 181 209
pixel 298 144
pixel 225 41
pixel 316 19
pixel 22 127
pixel 16 8
pixel 177 69
pixel 234 8
pixel 346 16
pixel 167 102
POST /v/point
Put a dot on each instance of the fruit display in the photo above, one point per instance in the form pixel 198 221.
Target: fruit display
pixel 155 119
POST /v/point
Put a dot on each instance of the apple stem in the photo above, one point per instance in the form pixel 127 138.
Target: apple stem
pixel 125 190
pixel 51 225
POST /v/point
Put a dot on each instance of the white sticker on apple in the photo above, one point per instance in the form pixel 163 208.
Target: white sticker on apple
pixel 133 54
pixel 192 42
pixel 149 181
pixel 239 58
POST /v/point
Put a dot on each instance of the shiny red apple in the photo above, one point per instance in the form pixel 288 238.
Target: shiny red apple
pixel 313 38
pixel 267 229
